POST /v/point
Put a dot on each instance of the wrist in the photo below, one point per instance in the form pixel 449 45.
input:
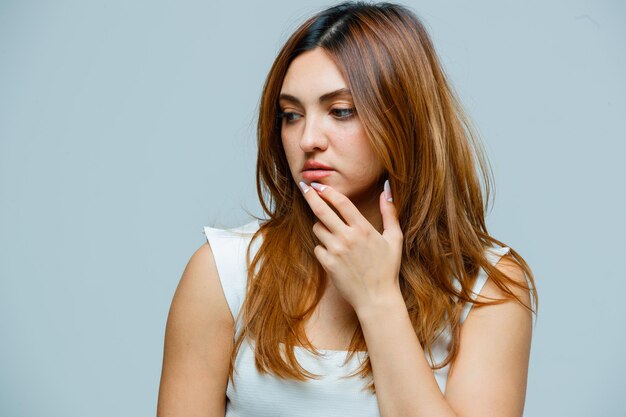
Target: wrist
pixel 383 306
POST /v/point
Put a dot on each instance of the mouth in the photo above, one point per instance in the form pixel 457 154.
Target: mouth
pixel 316 174
pixel 312 164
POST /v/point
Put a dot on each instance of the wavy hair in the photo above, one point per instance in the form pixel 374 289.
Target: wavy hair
pixel 433 159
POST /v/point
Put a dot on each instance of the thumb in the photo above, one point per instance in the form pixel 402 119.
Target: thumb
pixel 391 226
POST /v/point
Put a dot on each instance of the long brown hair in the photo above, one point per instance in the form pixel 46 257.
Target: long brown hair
pixel 430 151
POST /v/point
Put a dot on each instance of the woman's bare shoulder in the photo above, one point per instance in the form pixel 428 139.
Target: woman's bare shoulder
pixel 494 348
pixel 198 342
pixel 200 289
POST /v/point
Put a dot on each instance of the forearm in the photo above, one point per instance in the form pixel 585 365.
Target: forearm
pixel 405 384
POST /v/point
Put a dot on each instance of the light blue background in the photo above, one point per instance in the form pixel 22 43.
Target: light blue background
pixel 125 126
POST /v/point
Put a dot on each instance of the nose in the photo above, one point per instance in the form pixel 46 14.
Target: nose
pixel 313 136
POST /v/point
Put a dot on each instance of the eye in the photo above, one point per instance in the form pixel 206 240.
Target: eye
pixel 288 116
pixel 343 113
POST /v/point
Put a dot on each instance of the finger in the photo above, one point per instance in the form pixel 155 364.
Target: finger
pixel 324 235
pixel 321 209
pixel 342 203
pixel 322 255
pixel 391 224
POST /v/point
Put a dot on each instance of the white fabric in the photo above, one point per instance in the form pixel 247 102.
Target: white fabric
pixel 264 395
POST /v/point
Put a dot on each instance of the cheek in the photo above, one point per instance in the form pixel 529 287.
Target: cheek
pixel 365 163
pixel 291 150
pixel 285 141
pixel 289 137
pixel 356 146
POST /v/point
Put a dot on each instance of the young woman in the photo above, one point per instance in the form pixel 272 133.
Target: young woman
pixel 354 298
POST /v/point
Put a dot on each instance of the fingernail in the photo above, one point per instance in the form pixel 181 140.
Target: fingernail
pixel 303 187
pixel 318 187
pixel 387 189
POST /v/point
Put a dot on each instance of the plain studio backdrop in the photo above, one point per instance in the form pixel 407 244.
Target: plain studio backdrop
pixel 126 126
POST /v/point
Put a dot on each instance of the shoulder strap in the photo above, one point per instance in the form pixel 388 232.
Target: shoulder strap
pixel 493 255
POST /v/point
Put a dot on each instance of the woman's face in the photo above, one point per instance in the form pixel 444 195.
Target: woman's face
pixel 319 123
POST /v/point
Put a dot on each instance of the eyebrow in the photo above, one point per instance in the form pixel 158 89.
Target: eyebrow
pixel 324 98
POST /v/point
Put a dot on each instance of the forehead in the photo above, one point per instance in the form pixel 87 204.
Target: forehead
pixel 311 74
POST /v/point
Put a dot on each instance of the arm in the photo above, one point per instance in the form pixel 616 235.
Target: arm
pixel 488 377
pixel 198 343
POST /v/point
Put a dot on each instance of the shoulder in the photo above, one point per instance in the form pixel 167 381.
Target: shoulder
pixel 199 292
pixel 508 266
pixel 494 348
pixel 198 342
pixel 489 321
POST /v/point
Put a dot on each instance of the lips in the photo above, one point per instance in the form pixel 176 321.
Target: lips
pixel 315 165
pixel 316 174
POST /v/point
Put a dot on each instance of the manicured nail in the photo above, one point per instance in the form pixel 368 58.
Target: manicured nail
pixel 318 187
pixel 387 189
pixel 303 187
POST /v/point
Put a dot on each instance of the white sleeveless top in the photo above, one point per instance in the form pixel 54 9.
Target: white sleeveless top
pixel 265 395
